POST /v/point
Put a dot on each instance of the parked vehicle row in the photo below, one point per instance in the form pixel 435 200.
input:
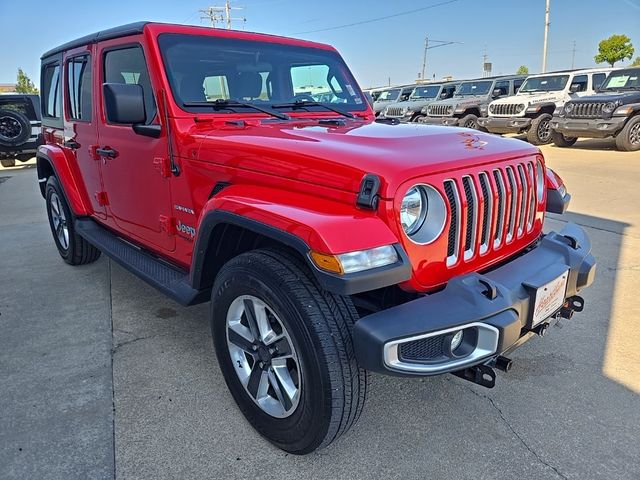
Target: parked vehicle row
pixel 557 107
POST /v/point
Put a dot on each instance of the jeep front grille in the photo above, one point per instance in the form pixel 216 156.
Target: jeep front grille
pixel 440 110
pixel 489 209
pixel 394 112
pixel 586 110
pixel 505 109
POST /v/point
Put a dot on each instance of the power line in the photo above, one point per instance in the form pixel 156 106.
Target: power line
pixel 221 15
pixel 362 22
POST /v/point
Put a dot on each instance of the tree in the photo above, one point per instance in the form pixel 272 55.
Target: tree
pixel 636 62
pixel 24 83
pixel 614 49
pixel 523 70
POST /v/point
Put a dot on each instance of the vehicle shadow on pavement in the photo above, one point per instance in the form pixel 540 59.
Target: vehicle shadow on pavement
pixel 563 410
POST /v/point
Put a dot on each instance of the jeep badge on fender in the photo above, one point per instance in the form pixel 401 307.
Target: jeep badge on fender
pixel 329 244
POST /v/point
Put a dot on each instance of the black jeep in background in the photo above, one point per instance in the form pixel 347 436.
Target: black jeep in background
pixel 613 112
pixel 20 127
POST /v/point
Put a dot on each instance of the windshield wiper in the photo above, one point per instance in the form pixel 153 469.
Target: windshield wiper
pixel 306 103
pixel 225 104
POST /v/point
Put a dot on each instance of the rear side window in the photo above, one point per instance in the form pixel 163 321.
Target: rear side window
pixel 51 101
pixel 127 65
pixel 598 80
pixel 79 88
pixel 517 84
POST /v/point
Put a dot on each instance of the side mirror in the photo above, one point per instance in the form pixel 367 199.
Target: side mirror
pixel 124 103
pixel 369 98
pixel 444 95
pixel 574 88
pixel 496 92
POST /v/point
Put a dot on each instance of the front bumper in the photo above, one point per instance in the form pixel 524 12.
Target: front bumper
pixel 505 124
pixel 448 121
pixel 592 127
pixel 497 307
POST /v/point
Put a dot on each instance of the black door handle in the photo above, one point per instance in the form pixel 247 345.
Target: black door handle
pixel 71 144
pixel 106 152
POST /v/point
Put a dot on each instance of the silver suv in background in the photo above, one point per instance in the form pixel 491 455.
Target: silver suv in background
pixel 422 96
pixel 470 101
pixel 530 111
pixel 391 95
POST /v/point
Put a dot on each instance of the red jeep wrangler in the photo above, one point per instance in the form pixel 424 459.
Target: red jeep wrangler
pixel 249 170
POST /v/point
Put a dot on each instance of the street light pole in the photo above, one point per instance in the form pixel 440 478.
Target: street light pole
pixel 546 38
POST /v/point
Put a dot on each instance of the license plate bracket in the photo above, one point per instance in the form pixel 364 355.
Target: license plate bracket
pixel 547 298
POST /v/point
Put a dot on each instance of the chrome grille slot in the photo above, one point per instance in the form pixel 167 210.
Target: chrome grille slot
pixel 502 200
pixel 504 109
pixel 487 211
pixel 453 198
pixel 511 220
pixel 586 110
pixel 395 112
pixel 440 110
pixel 532 198
pixel 472 216
pixel 524 201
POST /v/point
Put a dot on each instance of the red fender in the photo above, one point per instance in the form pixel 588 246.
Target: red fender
pixel 324 225
pixel 69 177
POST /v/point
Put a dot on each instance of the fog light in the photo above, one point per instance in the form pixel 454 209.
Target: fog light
pixel 456 340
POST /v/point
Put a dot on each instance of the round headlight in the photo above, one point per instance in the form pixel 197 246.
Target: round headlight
pixel 492 107
pixel 520 107
pixel 540 183
pixel 413 210
pixel 609 107
pixel 568 108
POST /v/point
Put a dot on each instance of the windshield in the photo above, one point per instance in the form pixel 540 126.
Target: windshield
pixel 206 69
pixel 553 83
pixel 392 94
pixel 474 88
pixel 622 79
pixel 425 92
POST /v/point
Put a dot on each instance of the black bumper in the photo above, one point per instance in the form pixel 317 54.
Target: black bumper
pixel 499 302
pixel 505 124
pixel 591 128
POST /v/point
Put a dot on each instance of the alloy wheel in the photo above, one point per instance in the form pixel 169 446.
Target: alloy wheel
pixel 263 356
pixel 544 131
pixel 634 134
pixel 10 127
pixel 59 220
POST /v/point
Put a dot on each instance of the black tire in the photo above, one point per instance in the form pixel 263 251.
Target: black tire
pixel 77 250
pixel 628 139
pixel 469 121
pixel 559 140
pixel 333 387
pixel 8 162
pixel 15 128
pixel 540 132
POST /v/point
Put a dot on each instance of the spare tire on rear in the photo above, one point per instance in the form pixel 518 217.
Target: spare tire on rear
pixel 15 128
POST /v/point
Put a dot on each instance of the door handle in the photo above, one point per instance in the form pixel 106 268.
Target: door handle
pixel 107 152
pixel 71 144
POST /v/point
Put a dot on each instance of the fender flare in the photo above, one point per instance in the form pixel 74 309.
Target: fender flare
pixel 72 187
pixel 234 210
pixel 540 106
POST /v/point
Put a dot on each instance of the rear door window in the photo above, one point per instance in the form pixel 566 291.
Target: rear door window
pixel 79 88
pixel 51 101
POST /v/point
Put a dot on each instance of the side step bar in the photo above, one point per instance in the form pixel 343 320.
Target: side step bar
pixel 169 280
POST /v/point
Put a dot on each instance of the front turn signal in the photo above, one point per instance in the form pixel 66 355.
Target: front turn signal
pixel 352 262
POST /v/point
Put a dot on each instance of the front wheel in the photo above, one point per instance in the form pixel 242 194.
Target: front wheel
pixel 539 132
pixel 284 347
pixel 628 140
pixel 559 140
pixel 469 121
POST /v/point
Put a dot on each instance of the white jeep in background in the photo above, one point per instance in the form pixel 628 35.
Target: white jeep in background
pixel 531 109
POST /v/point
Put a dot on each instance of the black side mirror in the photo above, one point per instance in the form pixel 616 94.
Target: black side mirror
pixel 369 98
pixel 574 88
pixel 496 92
pixel 124 103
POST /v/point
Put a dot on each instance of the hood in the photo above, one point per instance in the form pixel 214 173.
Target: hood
pixel 339 156
pixel 624 97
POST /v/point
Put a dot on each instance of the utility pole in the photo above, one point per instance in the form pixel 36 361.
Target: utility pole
pixel 424 58
pixel 439 43
pixel 221 15
pixel 573 56
pixel 546 38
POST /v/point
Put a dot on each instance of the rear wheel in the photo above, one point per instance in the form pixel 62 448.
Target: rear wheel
pixel 73 249
pixel 284 347
pixel 559 140
pixel 8 162
pixel 469 121
pixel 628 140
pixel 539 132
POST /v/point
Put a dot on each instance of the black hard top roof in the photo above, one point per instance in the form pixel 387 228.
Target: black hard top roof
pixel 116 32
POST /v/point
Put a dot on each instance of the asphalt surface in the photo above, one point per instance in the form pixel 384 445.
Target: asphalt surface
pixel 570 408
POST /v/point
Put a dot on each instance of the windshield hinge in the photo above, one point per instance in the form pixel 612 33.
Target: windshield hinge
pixel 368 194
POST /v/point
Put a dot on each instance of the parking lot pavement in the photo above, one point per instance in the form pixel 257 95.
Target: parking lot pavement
pixel 570 408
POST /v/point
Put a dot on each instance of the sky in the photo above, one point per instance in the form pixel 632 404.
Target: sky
pixel 387 49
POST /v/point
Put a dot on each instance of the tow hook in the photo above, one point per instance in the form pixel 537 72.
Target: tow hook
pixel 503 364
pixel 478 374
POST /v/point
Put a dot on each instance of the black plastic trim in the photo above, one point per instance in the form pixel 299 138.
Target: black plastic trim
pixel 556 203
pixel 347 284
